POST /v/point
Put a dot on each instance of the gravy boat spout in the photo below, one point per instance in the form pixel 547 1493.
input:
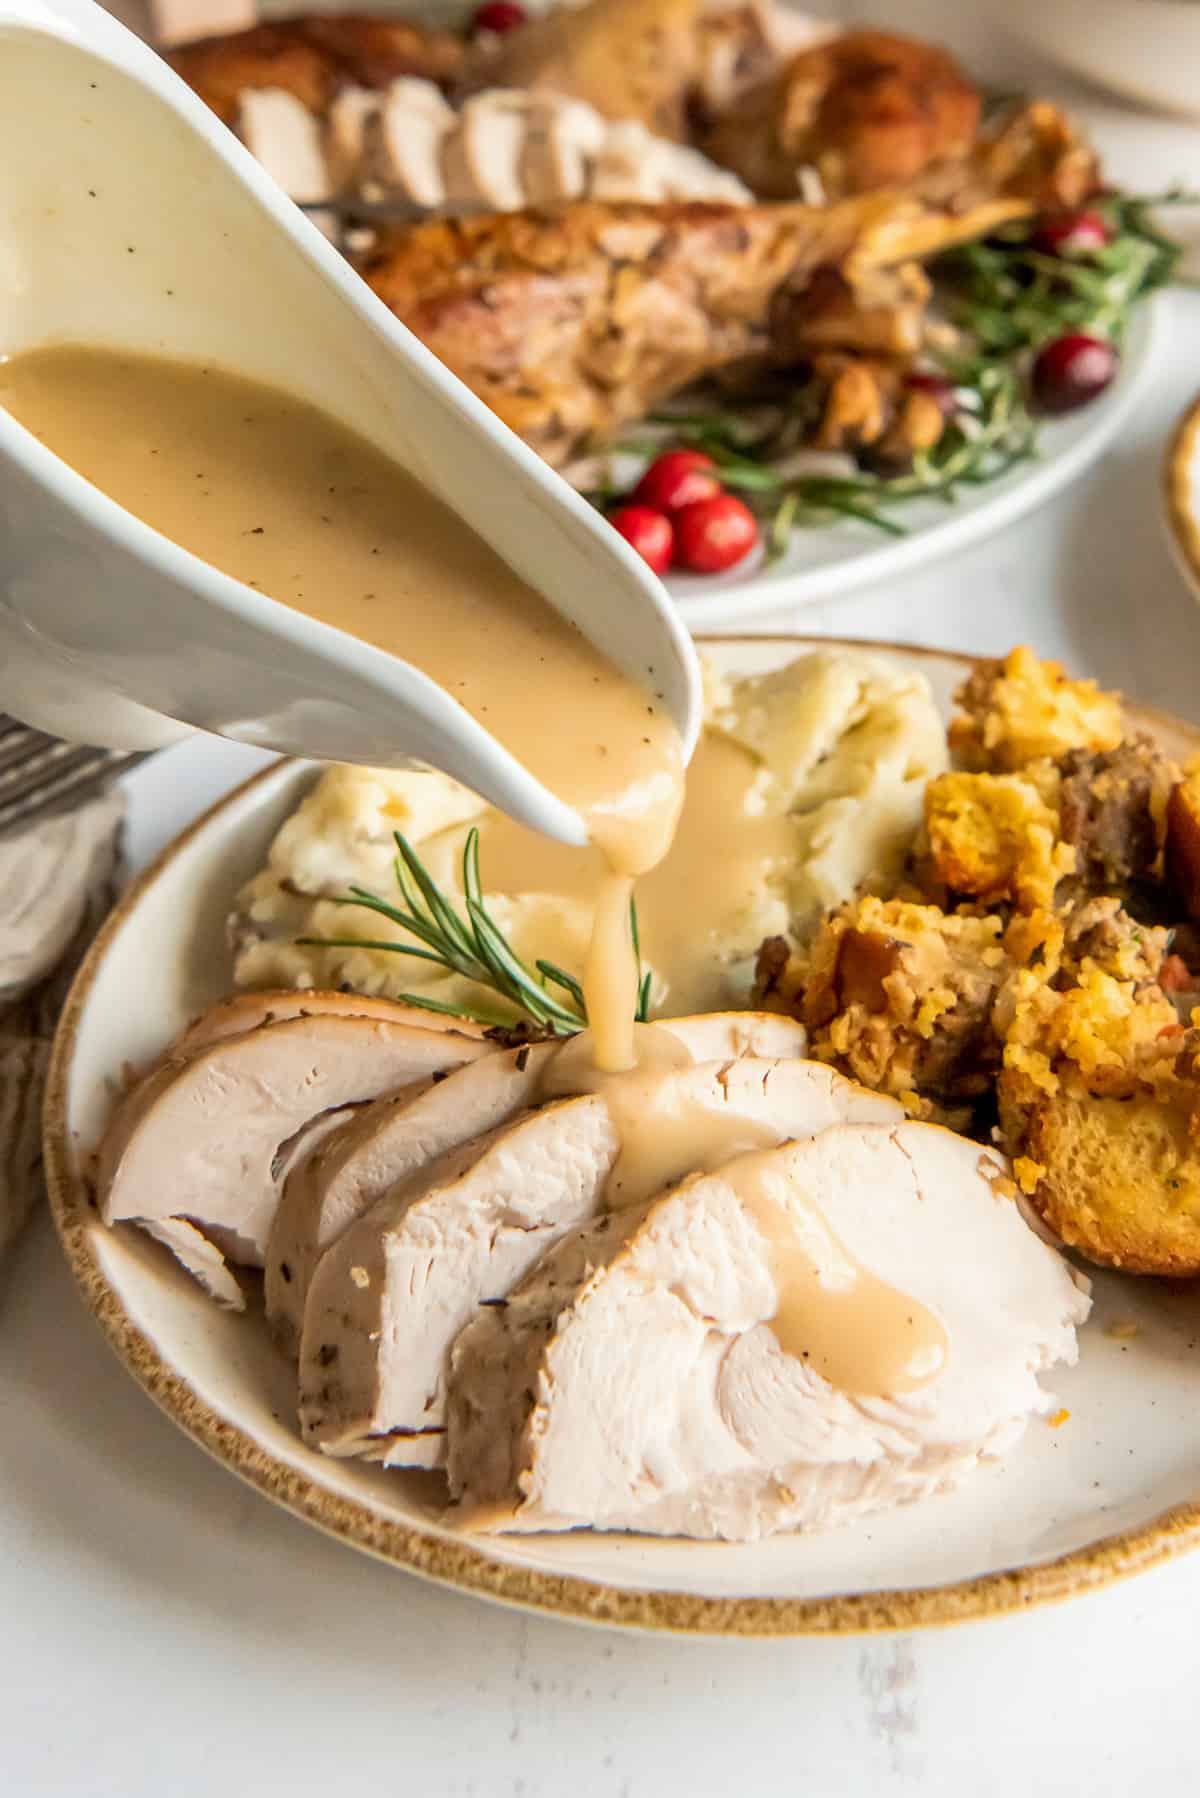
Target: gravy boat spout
pixel 132 219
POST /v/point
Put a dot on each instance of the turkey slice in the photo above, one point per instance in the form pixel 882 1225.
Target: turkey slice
pixel 391 1294
pixel 201 1138
pixel 271 1005
pixel 404 140
pixel 640 1376
pixel 390 1141
pixel 287 139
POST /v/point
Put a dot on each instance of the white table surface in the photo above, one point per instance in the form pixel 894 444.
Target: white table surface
pixel 167 1633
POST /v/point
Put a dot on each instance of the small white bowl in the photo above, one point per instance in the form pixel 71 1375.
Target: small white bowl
pixel 1148 50
pixel 1181 494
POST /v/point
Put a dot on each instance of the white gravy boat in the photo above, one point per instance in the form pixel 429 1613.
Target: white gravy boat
pixel 130 217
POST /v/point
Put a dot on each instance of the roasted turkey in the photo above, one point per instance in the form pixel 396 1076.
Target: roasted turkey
pixel 595 286
pixel 312 58
pixel 866 109
pixel 572 324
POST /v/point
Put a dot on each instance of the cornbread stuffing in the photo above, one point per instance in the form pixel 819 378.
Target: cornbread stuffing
pixel 995 837
pixel 1020 710
pixel 899 996
pixel 1036 982
pixel 1090 820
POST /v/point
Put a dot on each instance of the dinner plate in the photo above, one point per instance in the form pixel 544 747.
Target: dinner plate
pixel 1114 1488
pixel 826 563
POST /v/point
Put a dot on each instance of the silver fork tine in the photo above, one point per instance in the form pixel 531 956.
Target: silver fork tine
pixel 32 782
pixel 45 802
pixel 40 775
pixel 23 755
pixel 17 739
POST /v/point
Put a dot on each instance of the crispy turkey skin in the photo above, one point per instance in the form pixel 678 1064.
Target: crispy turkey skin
pixel 572 324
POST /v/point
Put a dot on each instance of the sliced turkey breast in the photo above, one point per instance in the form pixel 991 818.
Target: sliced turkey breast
pixel 391 1140
pixel 350 118
pixel 561 139
pixel 648 1373
pixel 481 157
pixel 403 143
pixel 390 1295
pixel 710 1035
pixel 729 1035
pixel 280 132
pixel 386 1144
pixel 200 1258
pixel 633 164
pixel 249 1011
pixel 296 1155
pixel 313 58
pixel 200 1138
pixel 503 150
pixel 293 1154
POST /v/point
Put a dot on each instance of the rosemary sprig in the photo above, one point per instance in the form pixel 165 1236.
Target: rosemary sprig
pixel 474 947
pixel 1010 296
pixel 993 434
pixel 642 1009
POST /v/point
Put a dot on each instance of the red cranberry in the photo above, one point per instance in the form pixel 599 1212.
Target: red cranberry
pixel 1073 370
pixel 712 534
pixel 1071 233
pixel 650 533
pixel 939 388
pixel 498 16
pixel 678 478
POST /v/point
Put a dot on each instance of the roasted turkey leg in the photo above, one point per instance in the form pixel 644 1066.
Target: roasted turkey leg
pixel 572 325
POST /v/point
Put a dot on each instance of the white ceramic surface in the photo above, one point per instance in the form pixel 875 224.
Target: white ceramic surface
pixel 133 218
pixel 1181 494
pixel 1146 50
pixel 827 563
pixel 1129 1451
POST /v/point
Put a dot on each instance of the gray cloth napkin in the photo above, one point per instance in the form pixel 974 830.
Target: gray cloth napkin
pixel 57 881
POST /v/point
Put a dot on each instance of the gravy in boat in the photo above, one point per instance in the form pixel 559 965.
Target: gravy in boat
pixel 268 489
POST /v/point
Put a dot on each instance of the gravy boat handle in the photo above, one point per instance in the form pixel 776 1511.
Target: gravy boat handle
pixel 136 220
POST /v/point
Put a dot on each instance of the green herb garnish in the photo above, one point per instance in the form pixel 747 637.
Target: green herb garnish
pixel 1005 300
pixel 1009 296
pixel 995 432
pixel 474 947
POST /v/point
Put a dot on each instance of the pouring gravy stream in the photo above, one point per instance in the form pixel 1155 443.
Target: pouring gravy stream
pixel 279 495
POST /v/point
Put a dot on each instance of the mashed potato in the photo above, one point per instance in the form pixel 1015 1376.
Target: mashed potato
pixel 838 748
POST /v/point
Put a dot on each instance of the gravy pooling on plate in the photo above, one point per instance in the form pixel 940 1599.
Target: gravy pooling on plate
pixel 275 493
